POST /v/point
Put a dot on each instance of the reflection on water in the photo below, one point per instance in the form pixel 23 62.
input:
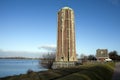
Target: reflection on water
pixel 9 67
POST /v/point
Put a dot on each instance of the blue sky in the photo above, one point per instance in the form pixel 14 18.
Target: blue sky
pixel 28 25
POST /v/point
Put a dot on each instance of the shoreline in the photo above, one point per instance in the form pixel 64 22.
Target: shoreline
pixel 24 73
pixel 20 58
pixel 84 72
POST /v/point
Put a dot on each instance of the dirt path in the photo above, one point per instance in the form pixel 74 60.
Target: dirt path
pixel 116 75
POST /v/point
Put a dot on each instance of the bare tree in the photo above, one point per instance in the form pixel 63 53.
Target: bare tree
pixel 83 58
pixel 47 60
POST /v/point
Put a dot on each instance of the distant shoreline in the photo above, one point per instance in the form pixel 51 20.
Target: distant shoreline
pixel 19 58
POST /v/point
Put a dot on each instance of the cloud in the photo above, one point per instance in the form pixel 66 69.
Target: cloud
pixel 43 50
pixel 4 53
pixel 48 47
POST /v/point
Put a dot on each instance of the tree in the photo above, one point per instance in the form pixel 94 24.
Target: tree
pixel 113 55
pixel 47 60
pixel 91 57
pixel 83 58
pixel 119 58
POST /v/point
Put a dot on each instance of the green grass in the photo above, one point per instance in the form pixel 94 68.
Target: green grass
pixel 92 72
pixel 84 72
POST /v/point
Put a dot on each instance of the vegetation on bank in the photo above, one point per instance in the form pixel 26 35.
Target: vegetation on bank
pixel 101 71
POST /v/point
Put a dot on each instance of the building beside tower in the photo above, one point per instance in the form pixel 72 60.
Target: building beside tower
pixel 66 47
pixel 102 54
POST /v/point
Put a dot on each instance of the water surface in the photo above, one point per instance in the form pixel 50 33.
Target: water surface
pixel 9 67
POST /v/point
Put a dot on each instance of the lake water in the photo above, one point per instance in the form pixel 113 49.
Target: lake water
pixel 10 67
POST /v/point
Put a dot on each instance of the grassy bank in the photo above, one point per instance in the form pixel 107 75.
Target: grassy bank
pixel 85 72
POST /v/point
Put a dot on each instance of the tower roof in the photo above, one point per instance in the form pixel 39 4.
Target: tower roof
pixel 67 8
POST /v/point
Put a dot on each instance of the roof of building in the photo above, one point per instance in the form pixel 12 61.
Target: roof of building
pixel 67 8
pixel 64 8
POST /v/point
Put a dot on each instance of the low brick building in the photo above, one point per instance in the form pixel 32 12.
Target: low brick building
pixel 102 54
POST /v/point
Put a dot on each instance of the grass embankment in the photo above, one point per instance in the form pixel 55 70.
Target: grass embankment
pixel 84 72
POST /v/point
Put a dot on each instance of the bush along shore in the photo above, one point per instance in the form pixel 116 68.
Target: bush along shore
pixel 103 71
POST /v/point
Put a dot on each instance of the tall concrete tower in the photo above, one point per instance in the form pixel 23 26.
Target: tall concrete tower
pixel 66 48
